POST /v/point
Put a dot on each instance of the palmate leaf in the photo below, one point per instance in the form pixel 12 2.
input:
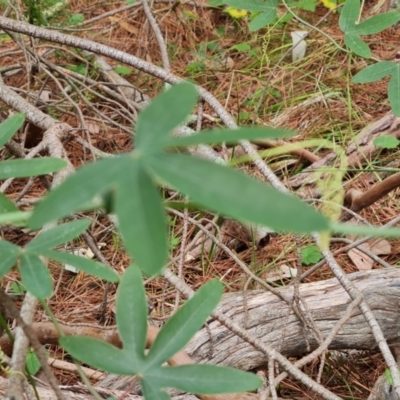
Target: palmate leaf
pixel 9 127
pixel 79 188
pixel 99 354
pixel 132 315
pixel 35 276
pixel 181 327
pixel 232 193
pixel 229 136
pixel 57 235
pixel 87 265
pixel 162 115
pixel 204 379
pixel 33 167
pixel 141 218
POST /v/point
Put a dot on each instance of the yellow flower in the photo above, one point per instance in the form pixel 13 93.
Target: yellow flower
pixel 331 4
pixel 235 12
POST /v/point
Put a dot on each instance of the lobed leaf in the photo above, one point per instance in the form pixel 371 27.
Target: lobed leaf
pixel 98 354
pixel 232 193
pixel 205 379
pixel 131 310
pixel 162 115
pixel 35 276
pixel 58 235
pixel 23 168
pixel 83 264
pixel 141 218
pixel 9 127
pixel 375 72
pixel 182 326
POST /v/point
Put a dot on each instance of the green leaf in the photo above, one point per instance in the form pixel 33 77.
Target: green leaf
pixel 394 91
pixel 377 23
pixel 6 205
pixel 351 229
pixel 229 136
pixel 35 276
pixel 152 391
pixel 251 5
pixel 9 254
pixel 33 167
pixel 349 15
pixel 375 72
pixel 182 326
pixel 58 235
pixel 205 379
pixel 386 142
pixel 32 362
pixel 83 264
pixel 162 115
pixel 98 354
pixel 132 315
pixel 310 255
pixel 122 70
pixel 141 218
pixel 9 127
pixel 232 193
pixel 354 43
pixel 262 20
pixel 388 377
pixel 242 47
pixel 78 189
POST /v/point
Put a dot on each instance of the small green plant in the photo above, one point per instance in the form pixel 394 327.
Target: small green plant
pixel 310 255
pixel 386 142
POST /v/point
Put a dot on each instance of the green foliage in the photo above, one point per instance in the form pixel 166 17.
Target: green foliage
pixel 348 23
pixel 310 255
pixel 265 8
pixel 386 142
pixel 76 19
pixel 35 275
pixel 141 220
pixel 32 362
pixel 378 71
pixel 131 312
pixel 122 70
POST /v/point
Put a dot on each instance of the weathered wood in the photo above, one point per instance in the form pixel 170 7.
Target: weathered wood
pixel 270 320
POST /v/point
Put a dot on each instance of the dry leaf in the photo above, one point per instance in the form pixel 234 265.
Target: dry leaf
pixel 360 260
pixel 280 272
pixel 381 247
